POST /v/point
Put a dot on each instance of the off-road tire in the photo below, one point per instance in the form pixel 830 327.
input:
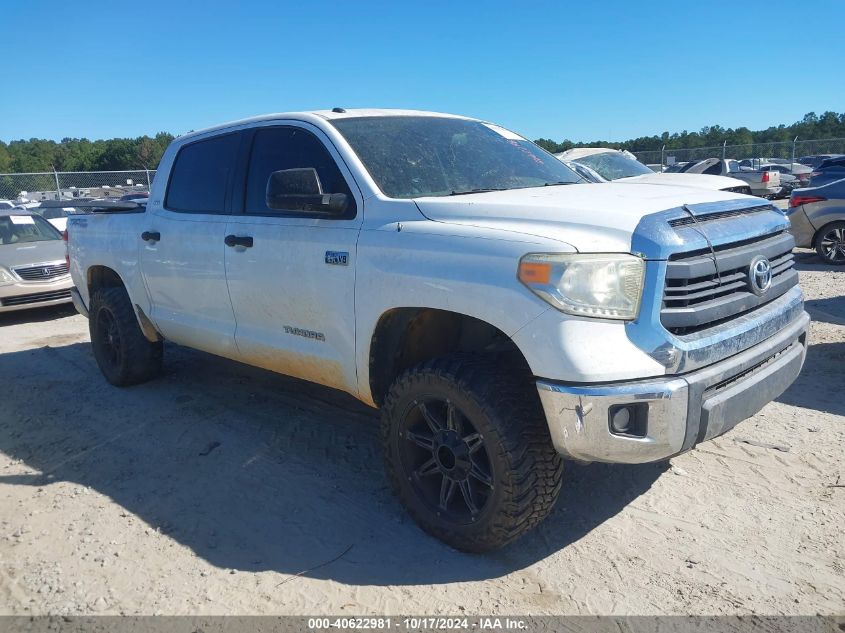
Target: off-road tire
pixel 503 405
pixel 837 231
pixel 124 355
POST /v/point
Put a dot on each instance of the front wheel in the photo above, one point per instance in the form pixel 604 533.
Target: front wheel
pixel 123 353
pixel 468 451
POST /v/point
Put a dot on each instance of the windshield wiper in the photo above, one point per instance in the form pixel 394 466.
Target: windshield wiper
pixel 561 182
pixel 463 193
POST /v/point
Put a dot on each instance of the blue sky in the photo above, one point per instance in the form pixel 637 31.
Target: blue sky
pixel 580 70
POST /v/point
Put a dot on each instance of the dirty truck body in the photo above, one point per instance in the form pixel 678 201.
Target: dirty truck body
pixel 500 312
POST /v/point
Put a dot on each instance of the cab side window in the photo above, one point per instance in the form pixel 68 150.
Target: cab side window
pixel 279 148
pixel 200 175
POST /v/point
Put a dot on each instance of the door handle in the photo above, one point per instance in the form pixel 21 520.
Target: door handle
pixel 151 236
pixel 237 240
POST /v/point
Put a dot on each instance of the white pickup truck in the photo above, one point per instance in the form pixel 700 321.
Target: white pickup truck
pixel 762 183
pixel 502 314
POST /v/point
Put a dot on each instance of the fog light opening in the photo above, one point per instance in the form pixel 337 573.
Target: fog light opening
pixel 620 419
pixel 630 420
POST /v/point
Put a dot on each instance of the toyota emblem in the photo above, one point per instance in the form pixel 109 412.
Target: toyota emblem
pixel 760 275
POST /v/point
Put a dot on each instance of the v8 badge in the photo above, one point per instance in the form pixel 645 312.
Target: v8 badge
pixel 337 258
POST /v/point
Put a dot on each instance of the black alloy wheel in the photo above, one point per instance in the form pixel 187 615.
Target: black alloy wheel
pixel 107 338
pixel 445 458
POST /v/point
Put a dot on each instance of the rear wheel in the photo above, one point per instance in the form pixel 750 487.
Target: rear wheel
pixel 123 353
pixel 830 243
pixel 468 451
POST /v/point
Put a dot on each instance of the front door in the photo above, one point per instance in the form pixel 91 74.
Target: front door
pixel 182 249
pixel 291 274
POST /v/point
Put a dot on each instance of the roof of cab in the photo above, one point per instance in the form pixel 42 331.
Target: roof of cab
pixel 328 115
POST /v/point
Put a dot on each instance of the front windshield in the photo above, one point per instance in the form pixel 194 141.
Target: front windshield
pixel 614 165
pixel 415 156
pixel 20 229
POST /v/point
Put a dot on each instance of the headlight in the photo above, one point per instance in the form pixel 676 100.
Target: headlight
pixel 5 277
pixel 593 285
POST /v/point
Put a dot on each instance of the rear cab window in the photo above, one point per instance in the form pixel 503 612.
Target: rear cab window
pixel 201 173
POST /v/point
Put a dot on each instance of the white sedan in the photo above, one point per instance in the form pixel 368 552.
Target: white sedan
pixel 612 164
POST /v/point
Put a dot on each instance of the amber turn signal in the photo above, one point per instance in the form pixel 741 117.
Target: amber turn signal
pixel 535 273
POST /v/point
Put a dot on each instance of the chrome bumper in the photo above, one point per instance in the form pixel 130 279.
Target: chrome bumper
pixel 681 410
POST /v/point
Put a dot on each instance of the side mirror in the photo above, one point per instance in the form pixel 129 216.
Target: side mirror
pixel 300 190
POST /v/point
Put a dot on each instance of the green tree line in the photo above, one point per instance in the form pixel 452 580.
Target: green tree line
pixel 812 126
pixel 80 154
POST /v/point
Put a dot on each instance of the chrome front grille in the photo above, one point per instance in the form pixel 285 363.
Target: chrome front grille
pixel 42 271
pixel 705 288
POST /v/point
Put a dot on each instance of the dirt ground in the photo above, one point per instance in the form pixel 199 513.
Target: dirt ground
pixel 221 489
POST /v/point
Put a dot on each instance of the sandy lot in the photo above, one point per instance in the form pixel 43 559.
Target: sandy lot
pixel 222 489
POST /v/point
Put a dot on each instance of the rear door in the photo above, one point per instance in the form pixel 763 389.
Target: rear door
pixel 293 286
pixel 182 247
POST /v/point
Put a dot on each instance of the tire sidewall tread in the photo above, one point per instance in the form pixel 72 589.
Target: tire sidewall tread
pixel 501 400
pixel 141 359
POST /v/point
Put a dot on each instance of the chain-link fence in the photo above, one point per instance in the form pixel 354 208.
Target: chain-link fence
pixel 787 150
pixel 70 185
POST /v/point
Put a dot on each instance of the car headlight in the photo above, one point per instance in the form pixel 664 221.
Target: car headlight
pixel 604 286
pixel 5 277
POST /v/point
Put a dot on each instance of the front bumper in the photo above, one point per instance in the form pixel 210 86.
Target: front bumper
pixel 23 295
pixel 681 411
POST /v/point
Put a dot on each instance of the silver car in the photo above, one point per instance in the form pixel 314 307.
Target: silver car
pixel 33 264
pixel 817 215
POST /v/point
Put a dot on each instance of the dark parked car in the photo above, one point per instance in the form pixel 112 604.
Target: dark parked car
pixel 830 170
pixel 817 159
pixel 817 215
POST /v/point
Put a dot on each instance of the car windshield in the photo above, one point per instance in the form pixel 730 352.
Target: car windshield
pixel 614 165
pixel 415 156
pixel 20 229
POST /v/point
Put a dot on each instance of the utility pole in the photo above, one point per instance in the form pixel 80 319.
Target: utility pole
pixel 58 188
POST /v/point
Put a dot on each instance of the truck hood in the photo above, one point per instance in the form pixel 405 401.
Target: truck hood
pixel 29 253
pixel 686 180
pixel 590 217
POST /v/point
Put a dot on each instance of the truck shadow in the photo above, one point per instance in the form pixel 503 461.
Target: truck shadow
pixel 808 260
pixel 253 471
pixel 830 310
pixel 825 366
